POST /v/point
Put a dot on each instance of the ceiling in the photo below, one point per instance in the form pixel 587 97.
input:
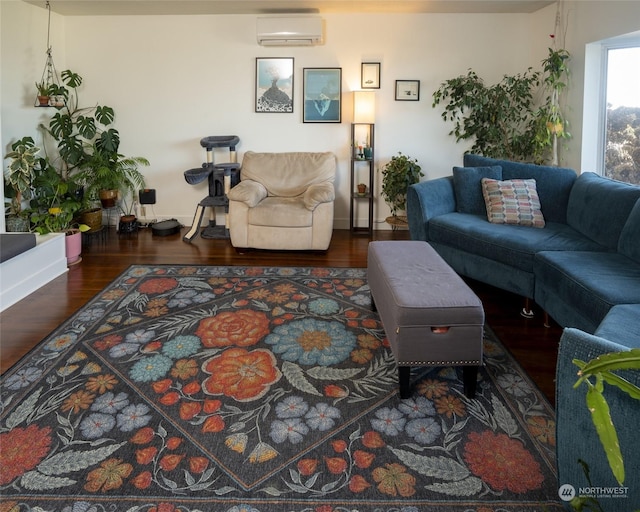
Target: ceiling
pixel 148 7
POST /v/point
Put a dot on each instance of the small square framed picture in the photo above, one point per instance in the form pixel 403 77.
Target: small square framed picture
pixel 407 90
pixel 370 75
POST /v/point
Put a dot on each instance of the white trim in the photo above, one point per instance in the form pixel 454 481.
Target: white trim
pixel 25 273
pixel 595 97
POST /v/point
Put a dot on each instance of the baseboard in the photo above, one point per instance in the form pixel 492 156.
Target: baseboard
pixel 338 223
pixel 25 273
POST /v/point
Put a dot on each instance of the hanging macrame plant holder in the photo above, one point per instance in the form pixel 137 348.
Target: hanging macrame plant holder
pixel 49 85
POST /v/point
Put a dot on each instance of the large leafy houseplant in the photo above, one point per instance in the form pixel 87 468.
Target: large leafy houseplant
pixel 77 130
pixel 500 119
pixel 397 175
pixel 109 170
pixel 19 174
pixel 88 145
pixel 55 203
pixel 504 120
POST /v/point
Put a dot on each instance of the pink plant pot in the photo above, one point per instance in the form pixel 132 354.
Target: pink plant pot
pixel 73 246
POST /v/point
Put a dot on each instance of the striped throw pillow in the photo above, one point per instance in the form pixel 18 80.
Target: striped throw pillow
pixel 512 202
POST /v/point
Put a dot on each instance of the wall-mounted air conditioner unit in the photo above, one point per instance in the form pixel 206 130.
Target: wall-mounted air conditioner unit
pixel 289 31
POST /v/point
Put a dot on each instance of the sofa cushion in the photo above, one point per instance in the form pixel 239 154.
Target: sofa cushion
pixel 12 244
pixel 629 243
pixel 288 174
pixel 599 207
pixel 512 202
pixel 553 183
pixel 510 244
pixel 468 189
pixel 621 325
pixel 592 282
pixel 288 212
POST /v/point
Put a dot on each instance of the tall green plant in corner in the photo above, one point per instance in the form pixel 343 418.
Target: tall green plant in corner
pixel 500 119
pixel 504 120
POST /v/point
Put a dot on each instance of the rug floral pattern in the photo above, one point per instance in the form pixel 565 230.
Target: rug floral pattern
pixel 253 389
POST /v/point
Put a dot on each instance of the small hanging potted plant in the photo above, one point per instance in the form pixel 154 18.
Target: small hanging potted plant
pixel 397 175
pixel 44 93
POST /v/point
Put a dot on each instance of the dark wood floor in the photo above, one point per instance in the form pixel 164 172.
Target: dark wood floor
pixel 30 320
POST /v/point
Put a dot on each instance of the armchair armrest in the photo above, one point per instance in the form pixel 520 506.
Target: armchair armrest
pixel 248 192
pixel 318 193
pixel 426 200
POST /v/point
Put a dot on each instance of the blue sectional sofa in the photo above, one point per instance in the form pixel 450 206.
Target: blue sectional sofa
pixel 582 268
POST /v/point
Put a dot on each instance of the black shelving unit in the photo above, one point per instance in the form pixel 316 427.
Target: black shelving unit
pixel 362 163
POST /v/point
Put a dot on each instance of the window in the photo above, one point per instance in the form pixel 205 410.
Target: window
pixel 611 108
pixel 622 126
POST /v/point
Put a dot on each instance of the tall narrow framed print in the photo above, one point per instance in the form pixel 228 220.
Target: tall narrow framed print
pixel 274 84
pixel 370 75
pixel 322 92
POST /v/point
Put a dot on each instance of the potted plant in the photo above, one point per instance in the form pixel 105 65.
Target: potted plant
pixel 88 148
pixel 19 176
pixel 397 175
pixel 44 93
pixel 128 222
pixel 54 207
pixel 76 129
pixel 552 124
pixel 504 120
pixel 107 174
pixel 500 119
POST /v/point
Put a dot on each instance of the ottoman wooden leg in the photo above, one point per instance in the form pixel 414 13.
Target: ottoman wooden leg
pixel 404 378
pixel 470 379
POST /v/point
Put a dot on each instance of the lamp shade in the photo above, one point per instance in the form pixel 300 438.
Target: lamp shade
pixel 364 107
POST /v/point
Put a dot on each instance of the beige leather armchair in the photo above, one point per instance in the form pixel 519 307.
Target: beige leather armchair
pixel 283 201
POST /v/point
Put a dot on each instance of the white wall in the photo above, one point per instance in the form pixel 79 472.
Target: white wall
pixel 588 22
pixel 175 79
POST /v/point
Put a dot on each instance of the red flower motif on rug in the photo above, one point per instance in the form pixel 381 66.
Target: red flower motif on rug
pixel 502 462
pixel 240 374
pixel 21 450
pixel 233 328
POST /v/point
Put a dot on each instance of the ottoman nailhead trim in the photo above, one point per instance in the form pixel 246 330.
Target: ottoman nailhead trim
pixel 438 363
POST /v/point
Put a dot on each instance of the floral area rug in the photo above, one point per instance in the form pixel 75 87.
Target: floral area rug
pixel 256 389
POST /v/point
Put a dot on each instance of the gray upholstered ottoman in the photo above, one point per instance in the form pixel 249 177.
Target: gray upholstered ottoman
pixel 431 317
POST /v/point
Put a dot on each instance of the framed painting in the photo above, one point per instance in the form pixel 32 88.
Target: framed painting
pixel 407 90
pixel 322 92
pixel 370 75
pixel 274 85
